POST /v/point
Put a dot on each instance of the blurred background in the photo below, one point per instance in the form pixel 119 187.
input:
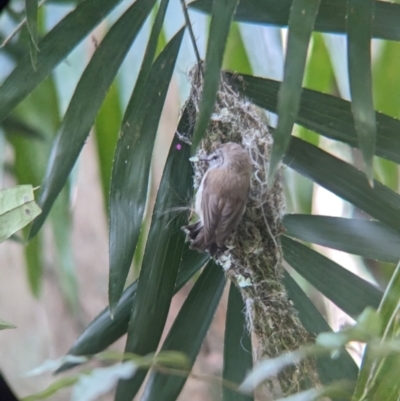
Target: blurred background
pixel 52 288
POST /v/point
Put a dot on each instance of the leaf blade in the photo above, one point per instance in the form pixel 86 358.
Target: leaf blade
pixel 188 331
pixel 221 17
pixel 73 28
pixel 86 101
pixel 359 31
pixel 346 290
pixel 331 17
pixel 301 23
pixel 325 114
pixel 237 346
pixel 132 159
pixel 370 239
pixel 345 181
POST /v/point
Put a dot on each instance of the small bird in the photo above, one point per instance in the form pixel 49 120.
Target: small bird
pixel 221 198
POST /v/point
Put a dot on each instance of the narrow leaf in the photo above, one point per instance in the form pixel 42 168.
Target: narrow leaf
pixel 86 101
pixel 163 252
pixel 325 114
pixel 72 29
pixel 221 17
pixel 370 239
pixel 237 346
pixel 360 14
pixel 188 331
pixel 331 16
pixel 301 24
pixel 31 7
pixel 329 369
pixel 106 130
pixel 349 292
pixel 131 167
pixel 345 181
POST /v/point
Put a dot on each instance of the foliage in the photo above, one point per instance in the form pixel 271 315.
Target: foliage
pixel 371 230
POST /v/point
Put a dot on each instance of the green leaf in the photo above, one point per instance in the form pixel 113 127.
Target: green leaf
pixel 360 14
pixel 301 23
pixel 103 331
pixel 16 126
pixel 17 209
pixel 86 101
pixel 106 130
pixel 188 331
pixel 325 114
pixel 237 346
pixel 72 29
pixel 31 7
pixel 370 239
pixel 163 253
pixel 342 367
pixel 6 325
pixel 376 377
pixel 131 166
pixel 331 16
pixel 349 292
pixel 221 17
pixel 345 181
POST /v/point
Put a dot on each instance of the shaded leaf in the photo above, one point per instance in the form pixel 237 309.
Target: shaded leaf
pixel 331 16
pixel 349 292
pixel 301 24
pixel 342 367
pixel 72 29
pixel 162 255
pixel 17 126
pixel 345 181
pixel 359 31
pixel 370 239
pixel 106 130
pixel 221 17
pixel 86 101
pixel 188 331
pixel 31 7
pixel 325 114
pixel 238 355
pixel 103 331
pixel 132 159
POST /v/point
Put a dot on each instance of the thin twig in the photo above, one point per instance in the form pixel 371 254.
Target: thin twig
pixel 18 28
pixel 192 38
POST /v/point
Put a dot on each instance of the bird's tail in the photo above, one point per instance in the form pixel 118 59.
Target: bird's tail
pixel 195 234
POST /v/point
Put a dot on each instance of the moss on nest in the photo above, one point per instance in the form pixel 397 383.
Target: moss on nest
pixel 254 257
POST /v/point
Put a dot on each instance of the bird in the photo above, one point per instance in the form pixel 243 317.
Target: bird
pixel 221 198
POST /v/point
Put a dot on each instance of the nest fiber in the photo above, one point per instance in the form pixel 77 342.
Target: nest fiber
pixel 254 257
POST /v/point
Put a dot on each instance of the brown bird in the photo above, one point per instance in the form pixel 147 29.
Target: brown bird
pixel 221 198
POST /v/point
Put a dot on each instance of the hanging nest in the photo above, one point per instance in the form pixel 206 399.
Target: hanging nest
pixel 253 260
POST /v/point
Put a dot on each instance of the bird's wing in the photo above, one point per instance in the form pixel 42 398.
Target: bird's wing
pixel 230 215
pixel 211 209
